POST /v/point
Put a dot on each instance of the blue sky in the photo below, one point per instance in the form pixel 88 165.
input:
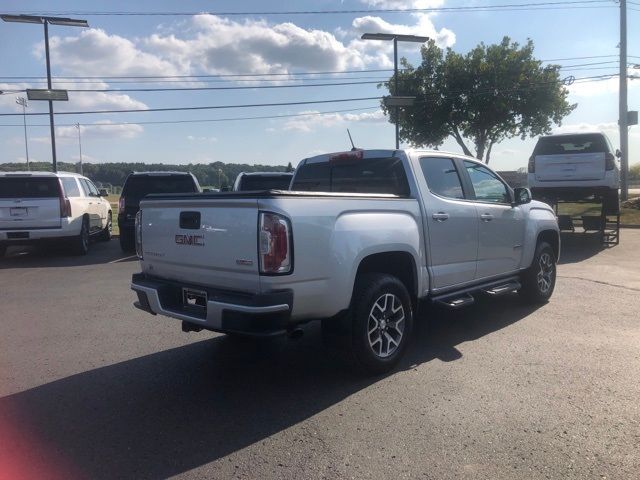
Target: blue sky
pixel 197 45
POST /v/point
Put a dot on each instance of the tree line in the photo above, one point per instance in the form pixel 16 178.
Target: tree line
pixel 216 174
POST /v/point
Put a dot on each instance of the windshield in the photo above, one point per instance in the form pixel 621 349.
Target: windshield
pixel 264 182
pixel 139 186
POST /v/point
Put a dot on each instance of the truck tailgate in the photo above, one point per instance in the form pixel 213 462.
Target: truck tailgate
pixel 202 242
pixel 579 166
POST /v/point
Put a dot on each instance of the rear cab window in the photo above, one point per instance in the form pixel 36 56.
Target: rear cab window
pixel 371 175
pixel 29 187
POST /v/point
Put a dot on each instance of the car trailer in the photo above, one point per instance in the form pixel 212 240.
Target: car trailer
pixel 607 222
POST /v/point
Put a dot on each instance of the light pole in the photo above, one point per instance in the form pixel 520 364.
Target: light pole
pixel 80 147
pixel 622 104
pixel 23 101
pixel 396 38
pixel 70 22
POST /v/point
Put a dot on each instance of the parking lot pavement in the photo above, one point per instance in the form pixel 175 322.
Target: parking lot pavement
pixel 92 388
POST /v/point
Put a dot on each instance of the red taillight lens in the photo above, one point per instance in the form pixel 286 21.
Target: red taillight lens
pixel 531 168
pixel 65 204
pixel 121 204
pixel 274 247
pixel 609 161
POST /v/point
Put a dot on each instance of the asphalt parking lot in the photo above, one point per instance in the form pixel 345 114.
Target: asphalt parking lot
pixel 92 388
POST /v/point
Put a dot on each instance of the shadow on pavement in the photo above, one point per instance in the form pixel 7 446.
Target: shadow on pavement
pixel 579 246
pixel 169 412
pixel 59 256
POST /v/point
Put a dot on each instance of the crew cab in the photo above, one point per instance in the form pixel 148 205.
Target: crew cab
pixel 360 241
pixel 575 166
pixel 247 181
pixel 40 207
pixel 140 184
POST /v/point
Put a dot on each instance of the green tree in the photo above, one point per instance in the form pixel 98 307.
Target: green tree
pixel 492 93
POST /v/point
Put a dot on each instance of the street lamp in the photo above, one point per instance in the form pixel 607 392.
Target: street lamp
pixel 396 38
pixel 70 22
pixel 23 101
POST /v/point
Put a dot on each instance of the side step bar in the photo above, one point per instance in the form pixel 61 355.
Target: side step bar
pixel 465 297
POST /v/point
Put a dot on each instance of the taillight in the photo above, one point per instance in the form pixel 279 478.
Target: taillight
pixel 138 232
pixel 275 248
pixel 531 168
pixel 609 161
pixel 121 204
pixel 65 204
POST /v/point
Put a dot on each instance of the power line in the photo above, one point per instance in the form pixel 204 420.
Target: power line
pixel 163 122
pixel 507 6
pixel 577 58
pixel 209 107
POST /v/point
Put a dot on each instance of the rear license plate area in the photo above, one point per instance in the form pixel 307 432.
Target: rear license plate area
pixel 18 211
pixel 17 235
pixel 194 300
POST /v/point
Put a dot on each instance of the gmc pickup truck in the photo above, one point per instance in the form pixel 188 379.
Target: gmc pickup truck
pixel 360 241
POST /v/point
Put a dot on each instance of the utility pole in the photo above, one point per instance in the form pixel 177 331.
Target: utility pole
pixel 80 147
pixel 23 101
pixel 624 130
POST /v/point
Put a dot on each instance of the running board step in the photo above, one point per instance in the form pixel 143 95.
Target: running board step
pixel 456 302
pixel 502 289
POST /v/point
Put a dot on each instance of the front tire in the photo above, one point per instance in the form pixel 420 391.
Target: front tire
pixel 381 322
pixel 539 280
pixel 81 242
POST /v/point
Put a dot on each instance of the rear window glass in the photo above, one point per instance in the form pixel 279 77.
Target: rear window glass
pixel 375 175
pixel 29 187
pixel 267 182
pixel 571 144
pixel 139 186
pixel 70 187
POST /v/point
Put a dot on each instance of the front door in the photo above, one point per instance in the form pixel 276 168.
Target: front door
pixel 501 225
pixel 451 223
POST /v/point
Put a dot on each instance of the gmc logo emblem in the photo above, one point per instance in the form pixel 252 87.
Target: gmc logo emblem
pixel 196 240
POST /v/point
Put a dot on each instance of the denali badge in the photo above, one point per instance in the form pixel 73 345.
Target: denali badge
pixel 196 240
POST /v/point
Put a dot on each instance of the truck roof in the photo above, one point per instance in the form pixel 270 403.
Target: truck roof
pixel 161 172
pixel 265 174
pixel 381 153
pixel 40 174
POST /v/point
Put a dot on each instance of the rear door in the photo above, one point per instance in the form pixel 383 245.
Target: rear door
pixel 570 157
pixel 451 223
pixel 92 202
pixel 501 225
pixel 29 202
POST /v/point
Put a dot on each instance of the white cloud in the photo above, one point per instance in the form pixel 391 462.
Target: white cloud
pixel 193 138
pixel 403 4
pixel 602 87
pixel 313 122
pixel 102 130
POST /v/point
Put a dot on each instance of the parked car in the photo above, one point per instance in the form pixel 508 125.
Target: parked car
pixel 363 238
pixel 248 181
pixel 140 184
pixel 574 166
pixel 39 207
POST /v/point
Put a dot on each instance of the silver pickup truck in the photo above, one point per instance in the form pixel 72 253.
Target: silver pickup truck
pixel 360 241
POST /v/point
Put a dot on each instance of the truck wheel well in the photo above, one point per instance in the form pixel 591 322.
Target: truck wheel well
pixel 398 264
pixel 552 238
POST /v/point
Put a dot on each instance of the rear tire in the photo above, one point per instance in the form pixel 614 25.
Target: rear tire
pixel 379 324
pixel 81 242
pixel 105 235
pixel 126 241
pixel 539 280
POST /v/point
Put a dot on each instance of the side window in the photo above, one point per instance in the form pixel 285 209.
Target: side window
pixel 442 177
pixel 70 187
pixel 93 188
pixel 487 187
pixel 85 187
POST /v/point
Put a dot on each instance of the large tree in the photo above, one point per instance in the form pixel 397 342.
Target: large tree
pixel 492 93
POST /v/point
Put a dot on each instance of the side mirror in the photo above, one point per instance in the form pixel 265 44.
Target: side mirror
pixel 618 153
pixel 103 192
pixel 521 195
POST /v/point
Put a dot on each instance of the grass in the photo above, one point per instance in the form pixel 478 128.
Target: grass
pixel 113 200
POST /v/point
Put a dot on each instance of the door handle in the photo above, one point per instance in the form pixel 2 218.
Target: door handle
pixel 440 216
pixel 486 217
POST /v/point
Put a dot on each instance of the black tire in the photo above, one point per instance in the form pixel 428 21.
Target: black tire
pixel 127 241
pixel 539 280
pixel 105 235
pixel 379 336
pixel 81 242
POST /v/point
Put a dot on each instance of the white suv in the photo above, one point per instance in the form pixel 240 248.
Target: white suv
pixel 575 166
pixel 40 207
